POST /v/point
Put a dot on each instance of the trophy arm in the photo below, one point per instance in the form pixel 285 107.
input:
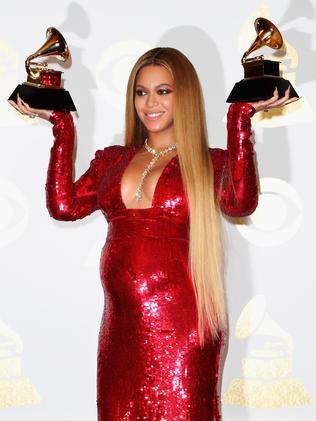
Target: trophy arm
pixel 28 64
pixel 34 69
pixel 254 46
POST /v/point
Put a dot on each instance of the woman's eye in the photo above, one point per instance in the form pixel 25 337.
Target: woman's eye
pixel 139 92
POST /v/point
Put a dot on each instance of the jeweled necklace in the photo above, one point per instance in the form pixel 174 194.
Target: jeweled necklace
pixel 138 194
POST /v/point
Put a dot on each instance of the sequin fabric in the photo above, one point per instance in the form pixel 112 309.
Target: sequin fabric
pixel 149 364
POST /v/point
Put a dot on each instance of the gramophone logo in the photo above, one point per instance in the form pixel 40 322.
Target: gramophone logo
pixel 267 380
pixel 15 390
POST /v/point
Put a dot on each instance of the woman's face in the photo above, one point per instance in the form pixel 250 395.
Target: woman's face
pixel 154 98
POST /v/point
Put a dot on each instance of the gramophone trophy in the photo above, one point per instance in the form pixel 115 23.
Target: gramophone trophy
pixel 261 76
pixel 43 88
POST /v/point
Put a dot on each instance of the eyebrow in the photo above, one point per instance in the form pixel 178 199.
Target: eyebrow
pixel 161 84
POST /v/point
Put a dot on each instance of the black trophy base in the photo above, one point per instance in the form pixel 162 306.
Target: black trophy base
pixel 44 98
pixel 259 88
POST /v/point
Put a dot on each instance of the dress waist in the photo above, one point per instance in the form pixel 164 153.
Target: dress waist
pixel 162 227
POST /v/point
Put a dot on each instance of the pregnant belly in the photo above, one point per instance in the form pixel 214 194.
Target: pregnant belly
pixel 146 281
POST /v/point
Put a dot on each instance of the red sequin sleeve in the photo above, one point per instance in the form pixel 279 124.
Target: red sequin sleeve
pixel 67 200
pixel 236 182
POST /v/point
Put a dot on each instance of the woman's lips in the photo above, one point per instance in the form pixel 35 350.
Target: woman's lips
pixel 153 116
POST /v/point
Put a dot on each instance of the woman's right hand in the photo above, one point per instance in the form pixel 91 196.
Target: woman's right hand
pixel 25 109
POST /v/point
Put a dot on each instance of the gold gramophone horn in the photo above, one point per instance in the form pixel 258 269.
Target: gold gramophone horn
pixel 43 88
pixel 267 34
pixel 55 45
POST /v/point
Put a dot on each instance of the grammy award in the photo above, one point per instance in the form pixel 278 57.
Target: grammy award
pixel 43 88
pixel 261 76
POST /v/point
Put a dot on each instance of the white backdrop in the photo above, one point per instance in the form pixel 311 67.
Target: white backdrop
pixel 51 298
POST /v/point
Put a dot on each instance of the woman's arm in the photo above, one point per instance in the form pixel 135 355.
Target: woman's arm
pixel 67 200
pixel 235 175
pixel 236 182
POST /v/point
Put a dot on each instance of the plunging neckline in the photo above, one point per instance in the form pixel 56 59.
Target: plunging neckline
pixel 133 150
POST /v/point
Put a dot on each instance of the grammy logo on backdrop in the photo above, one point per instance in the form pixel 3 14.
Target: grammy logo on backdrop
pixel 267 379
pixel 261 76
pixel 15 389
pixel 43 88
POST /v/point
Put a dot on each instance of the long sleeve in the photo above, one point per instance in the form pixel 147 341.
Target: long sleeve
pixel 236 182
pixel 67 200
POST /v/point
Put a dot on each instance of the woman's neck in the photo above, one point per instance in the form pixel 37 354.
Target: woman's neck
pixel 160 141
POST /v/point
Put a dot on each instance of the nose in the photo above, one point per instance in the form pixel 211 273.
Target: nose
pixel 152 100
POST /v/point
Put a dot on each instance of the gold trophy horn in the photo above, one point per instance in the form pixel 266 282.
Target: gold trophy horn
pixel 55 45
pixel 261 76
pixel 267 35
pixel 43 88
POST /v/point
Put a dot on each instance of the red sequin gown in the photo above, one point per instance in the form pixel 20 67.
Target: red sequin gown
pixel 150 366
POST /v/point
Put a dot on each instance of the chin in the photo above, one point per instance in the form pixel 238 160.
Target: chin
pixel 155 131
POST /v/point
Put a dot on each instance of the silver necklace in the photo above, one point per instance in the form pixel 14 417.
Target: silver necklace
pixel 138 194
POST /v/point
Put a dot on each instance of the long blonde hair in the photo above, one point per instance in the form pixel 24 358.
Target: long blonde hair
pixel 206 250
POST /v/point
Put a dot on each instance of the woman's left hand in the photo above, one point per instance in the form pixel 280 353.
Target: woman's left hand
pixel 274 101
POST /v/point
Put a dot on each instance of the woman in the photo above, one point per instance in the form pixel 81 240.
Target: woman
pixel 161 266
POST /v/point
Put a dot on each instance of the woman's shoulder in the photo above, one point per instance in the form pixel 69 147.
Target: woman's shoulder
pixel 217 152
pixel 218 157
pixel 112 152
pixel 107 157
